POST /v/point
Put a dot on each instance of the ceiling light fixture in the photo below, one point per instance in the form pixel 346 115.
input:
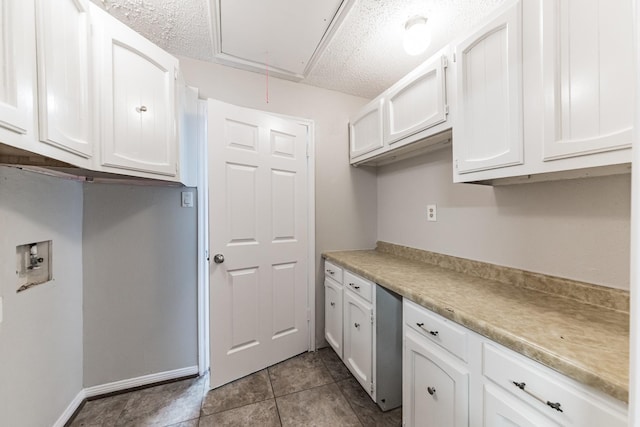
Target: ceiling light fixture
pixel 416 35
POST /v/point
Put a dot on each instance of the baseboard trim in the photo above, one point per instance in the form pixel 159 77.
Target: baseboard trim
pixel 71 409
pixel 139 381
pixel 116 386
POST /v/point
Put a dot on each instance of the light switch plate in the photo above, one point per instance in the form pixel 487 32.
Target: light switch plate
pixel 187 199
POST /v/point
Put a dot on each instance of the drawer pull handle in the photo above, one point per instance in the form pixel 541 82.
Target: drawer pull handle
pixel 333 304
pixel 421 326
pixel 554 405
pixel 431 390
pixel 354 286
pixel 331 272
pixel 357 325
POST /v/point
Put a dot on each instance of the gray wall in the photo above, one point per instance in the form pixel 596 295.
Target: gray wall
pixel 41 334
pixel 140 282
pixel 578 229
pixel 345 196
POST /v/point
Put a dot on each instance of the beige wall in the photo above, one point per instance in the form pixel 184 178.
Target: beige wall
pixel 345 196
pixel 578 229
pixel 140 282
pixel 41 330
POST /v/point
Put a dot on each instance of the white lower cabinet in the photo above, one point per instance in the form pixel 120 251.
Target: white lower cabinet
pixel 435 385
pixel 501 409
pixel 492 387
pixel 333 314
pixel 546 393
pixel 363 324
pixel 358 338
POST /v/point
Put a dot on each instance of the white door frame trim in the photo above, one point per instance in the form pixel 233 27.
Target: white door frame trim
pixel 202 233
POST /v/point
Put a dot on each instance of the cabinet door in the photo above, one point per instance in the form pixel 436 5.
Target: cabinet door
pixel 138 97
pixel 64 77
pixel 365 130
pixel 435 386
pixel 588 76
pixel 17 66
pixel 488 132
pixel 358 339
pixel 417 102
pixel 333 315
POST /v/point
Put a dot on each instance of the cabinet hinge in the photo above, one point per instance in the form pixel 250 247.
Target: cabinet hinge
pixel 175 73
pixel 308 314
pixel 456 163
pixel 372 318
pixel 446 109
pixel 453 57
pixel 372 387
pixel 445 62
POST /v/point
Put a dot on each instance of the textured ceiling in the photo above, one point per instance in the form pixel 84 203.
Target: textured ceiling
pixel 363 57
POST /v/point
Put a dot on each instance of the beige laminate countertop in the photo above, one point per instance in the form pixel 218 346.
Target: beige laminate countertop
pixel 585 342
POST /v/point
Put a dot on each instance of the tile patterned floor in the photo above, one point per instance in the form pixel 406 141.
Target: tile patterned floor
pixel 312 389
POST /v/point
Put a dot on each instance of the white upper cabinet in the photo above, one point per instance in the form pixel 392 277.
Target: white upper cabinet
pixel 65 75
pixel 416 102
pixel 588 75
pixel 489 130
pixel 365 130
pixel 409 118
pixel 16 70
pixel 549 94
pixel 137 87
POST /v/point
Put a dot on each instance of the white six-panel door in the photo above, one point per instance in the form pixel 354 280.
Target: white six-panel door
pixel 258 223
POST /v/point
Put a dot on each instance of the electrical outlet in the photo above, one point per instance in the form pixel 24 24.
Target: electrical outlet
pixel 432 213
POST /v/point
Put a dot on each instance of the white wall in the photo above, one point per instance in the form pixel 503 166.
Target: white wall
pixel 140 282
pixel 41 333
pixel 578 229
pixel 345 196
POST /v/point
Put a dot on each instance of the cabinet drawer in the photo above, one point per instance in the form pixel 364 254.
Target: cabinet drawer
pixel 550 393
pixel 437 329
pixel 333 271
pixel 358 285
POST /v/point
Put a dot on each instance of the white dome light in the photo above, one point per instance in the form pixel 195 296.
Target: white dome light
pixel 416 36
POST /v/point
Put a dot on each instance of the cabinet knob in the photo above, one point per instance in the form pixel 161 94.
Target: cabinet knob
pixel 431 390
pixel 333 304
pixel 357 325
pixel 331 272
pixel 141 109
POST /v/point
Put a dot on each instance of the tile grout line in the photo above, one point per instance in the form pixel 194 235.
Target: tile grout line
pixel 340 389
pixel 275 400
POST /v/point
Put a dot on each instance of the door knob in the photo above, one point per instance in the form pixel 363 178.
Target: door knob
pixel 218 258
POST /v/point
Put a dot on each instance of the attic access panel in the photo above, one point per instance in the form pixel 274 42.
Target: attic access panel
pixel 282 33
